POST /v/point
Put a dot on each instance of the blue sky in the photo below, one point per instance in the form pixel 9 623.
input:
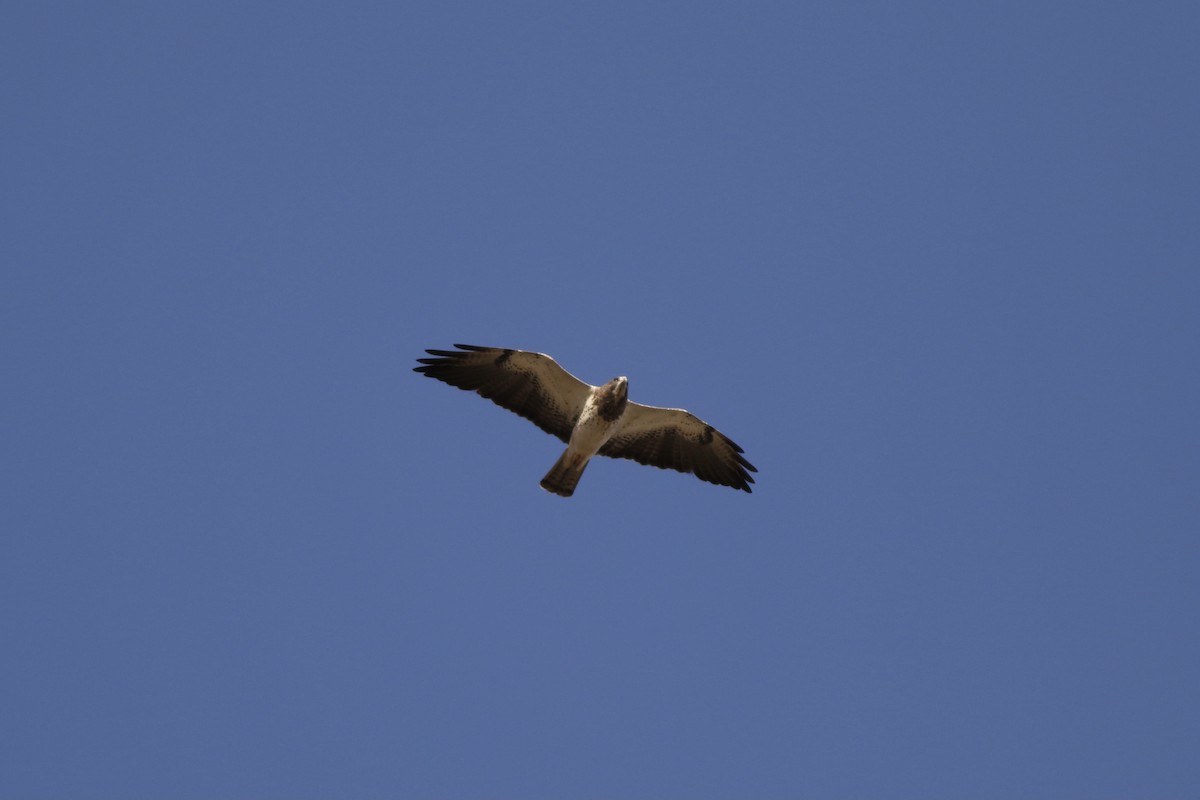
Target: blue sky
pixel 934 265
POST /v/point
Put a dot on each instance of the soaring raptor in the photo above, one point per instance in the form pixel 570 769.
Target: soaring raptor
pixel 592 420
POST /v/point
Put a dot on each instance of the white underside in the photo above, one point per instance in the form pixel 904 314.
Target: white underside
pixel 591 431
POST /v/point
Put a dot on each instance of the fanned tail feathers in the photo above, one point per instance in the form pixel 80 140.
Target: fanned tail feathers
pixel 564 476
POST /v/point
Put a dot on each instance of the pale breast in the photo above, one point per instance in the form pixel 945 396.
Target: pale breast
pixel 593 429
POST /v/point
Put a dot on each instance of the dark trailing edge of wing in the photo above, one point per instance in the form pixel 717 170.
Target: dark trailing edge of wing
pixel 486 371
pixel 667 448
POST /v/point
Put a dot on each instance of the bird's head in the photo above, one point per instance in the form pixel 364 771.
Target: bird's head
pixel 612 398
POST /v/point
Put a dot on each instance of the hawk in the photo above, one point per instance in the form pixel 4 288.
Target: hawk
pixel 592 420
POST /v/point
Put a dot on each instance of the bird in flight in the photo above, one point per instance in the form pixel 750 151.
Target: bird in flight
pixel 592 420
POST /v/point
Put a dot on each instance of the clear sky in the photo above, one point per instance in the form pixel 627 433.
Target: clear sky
pixel 935 265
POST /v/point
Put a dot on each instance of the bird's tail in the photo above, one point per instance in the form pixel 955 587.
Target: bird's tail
pixel 564 475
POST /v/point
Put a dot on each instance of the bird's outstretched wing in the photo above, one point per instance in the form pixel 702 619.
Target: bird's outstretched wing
pixel 672 438
pixel 530 384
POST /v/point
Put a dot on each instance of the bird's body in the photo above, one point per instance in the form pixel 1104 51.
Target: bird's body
pixel 592 420
pixel 600 418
